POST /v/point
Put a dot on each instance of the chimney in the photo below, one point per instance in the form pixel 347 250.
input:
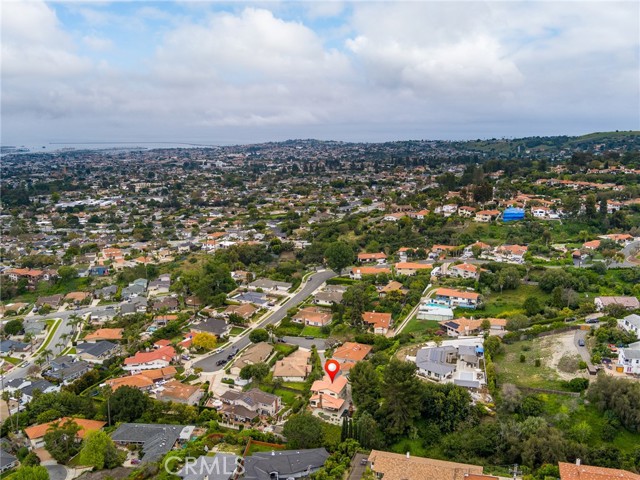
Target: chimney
pixel 408 455
pixel 577 461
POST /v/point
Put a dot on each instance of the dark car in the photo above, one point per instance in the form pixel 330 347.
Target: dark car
pixel 581 343
pixel 309 337
pixel 222 361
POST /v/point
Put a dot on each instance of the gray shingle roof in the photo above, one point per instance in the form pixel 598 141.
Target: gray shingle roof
pixel 285 462
pixel 156 439
pixel 95 349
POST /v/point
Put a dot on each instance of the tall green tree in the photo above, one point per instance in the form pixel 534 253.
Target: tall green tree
pixel 339 255
pixel 401 397
pixel 99 451
pixel 127 404
pixel 365 386
pixel 303 431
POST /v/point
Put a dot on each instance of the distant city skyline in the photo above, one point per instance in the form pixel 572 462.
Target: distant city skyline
pixel 248 72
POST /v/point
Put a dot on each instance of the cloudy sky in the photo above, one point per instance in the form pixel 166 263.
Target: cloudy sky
pixel 236 72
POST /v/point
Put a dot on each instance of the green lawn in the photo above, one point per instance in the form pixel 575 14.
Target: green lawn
pixel 236 331
pixel 255 448
pixel 296 385
pixel 313 332
pixel 284 348
pixel 507 303
pixel 420 326
pixel 511 370
pixel 15 361
pixel 52 330
pixel 287 397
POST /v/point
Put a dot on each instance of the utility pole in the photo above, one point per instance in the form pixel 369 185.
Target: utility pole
pixel 515 471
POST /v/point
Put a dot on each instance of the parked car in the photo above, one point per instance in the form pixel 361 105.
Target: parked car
pixel 222 361
pixel 581 343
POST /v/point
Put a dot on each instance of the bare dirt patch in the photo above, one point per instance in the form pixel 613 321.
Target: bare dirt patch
pixel 562 355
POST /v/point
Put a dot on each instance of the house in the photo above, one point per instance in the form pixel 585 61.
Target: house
pixel 577 471
pixel 132 291
pixel 7 461
pixel 511 253
pixel 330 295
pixel 220 466
pixel 171 304
pixel 349 353
pixel 486 216
pixel 77 297
pixel 251 297
pixel 428 311
pixel 144 380
pixel 106 293
pixel 36 433
pixel 246 311
pixel 96 352
pixel 8 347
pixel 42 386
pixel 246 406
pixel 54 301
pixel 393 217
pixel 464 270
pixel 99 271
pixel 541 212
pixel 32 276
pixel 629 359
pixel 619 238
pixel 329 398
pixel 458 364
pixel 471 326
pixel 452 298
pixel 175 391
pixel 284 464
pixel 67 369
pixel 160 285
pixel 357 273
pixel 380 322
pixel 112 334
pixel 630 323
pixel 392 286
pixel 217 326
pixel 312 316
pixel 159 358
pixel 155 440
pixel 411 268
pixel 591 245
pixel 467 212
pixel 628 303
pixel 258 353
pixel 379 258
pixel 395 466
pixel 294 368
pixel 484 247
pixel 267 285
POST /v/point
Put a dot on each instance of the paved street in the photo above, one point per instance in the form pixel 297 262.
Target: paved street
pixel 307 343
pixel 64 328
pixel 583 351
pixel 209 364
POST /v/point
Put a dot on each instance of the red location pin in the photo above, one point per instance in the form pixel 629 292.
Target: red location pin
pixel 332 368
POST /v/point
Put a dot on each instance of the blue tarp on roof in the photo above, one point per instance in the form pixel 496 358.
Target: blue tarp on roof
pixel 512 214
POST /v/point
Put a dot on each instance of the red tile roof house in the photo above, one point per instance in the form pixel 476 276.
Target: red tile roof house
pixel 328 399
pixel 380 322
pixel 313 316
pixel 358 272
pixel 350 353
pixel 465 270
pixel 36 433
pixel 159 358
pixel 456 298
pixel 379 258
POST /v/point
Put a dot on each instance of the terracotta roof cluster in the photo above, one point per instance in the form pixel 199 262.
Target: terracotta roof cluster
pixel 38 431
pixel 105 334
pixel 450 292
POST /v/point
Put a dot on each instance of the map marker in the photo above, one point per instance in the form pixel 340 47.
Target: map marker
pixel 332 368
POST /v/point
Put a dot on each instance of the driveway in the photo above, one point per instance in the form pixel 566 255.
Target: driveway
pixel 357 470
pixel 56 472
pixel 307 343
pixel 209 364
pixel 583 351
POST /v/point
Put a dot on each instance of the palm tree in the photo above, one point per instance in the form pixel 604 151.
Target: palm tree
pixel 6 396
pixel 17 395
pixel 46 353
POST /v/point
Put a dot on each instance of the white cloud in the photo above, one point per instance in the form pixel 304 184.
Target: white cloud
pixel 98 43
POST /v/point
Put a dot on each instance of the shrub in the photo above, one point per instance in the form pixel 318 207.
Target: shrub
pixel 522 358
pixel 537 362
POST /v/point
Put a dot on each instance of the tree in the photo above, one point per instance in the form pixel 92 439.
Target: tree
pixel 257 371
pixel 67 273
pixel 508 278
pixel 99 451
pixel 13 327
pixel 235 319
pixel 401 397
pixel 367 432
pixel 485 325
pixel 532 306
pixel 205 341
pixel 303 431
pixel 6 396
pixel 259 335
pixel 62 441
pixel 581 431
pixel 355 297
pixel 365 386
pixel 128 404
pixel 31 473
pixel 339 255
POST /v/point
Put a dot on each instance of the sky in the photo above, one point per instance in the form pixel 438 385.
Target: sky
pixel 244 72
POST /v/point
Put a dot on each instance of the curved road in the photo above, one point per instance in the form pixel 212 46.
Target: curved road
pixel 209 364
